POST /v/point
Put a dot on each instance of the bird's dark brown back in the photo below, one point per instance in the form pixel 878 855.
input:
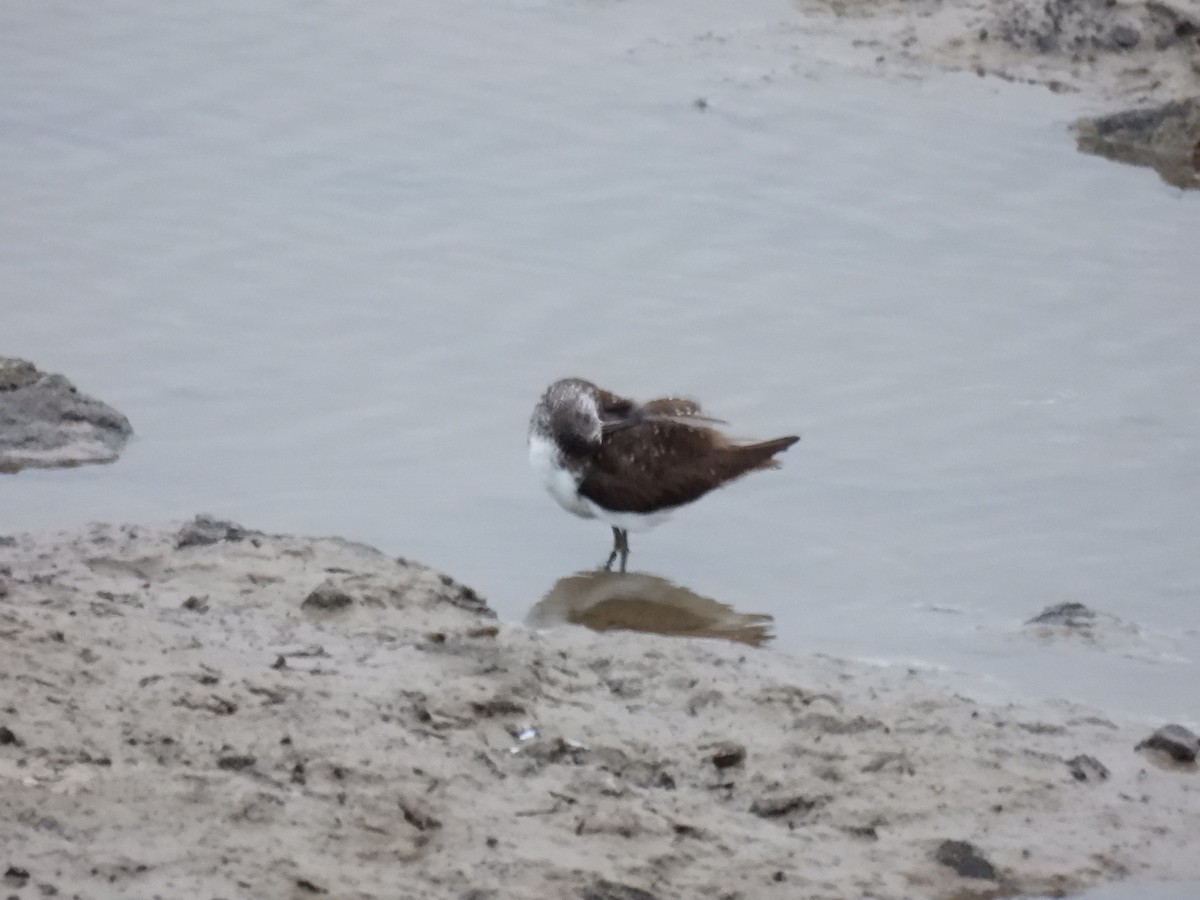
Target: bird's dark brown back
pixel 664 462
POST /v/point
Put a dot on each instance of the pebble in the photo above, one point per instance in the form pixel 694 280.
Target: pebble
pixel 965 859
pixel 1178 742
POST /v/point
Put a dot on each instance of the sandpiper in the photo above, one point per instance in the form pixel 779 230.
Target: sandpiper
pixel 632 464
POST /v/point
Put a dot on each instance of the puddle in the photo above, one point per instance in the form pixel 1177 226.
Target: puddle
pixel 326 263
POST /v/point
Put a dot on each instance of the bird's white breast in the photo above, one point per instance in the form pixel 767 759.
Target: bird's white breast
pixel 559 481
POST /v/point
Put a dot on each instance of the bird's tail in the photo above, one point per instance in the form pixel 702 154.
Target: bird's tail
pixel 762 455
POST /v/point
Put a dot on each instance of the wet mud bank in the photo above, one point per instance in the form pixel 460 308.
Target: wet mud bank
pixel 211 710
pixel 1136 62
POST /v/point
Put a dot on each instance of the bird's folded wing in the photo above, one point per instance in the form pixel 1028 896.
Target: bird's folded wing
pixel 658 463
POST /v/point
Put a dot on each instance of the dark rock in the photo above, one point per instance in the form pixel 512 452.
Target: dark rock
pixel 775 806
pixel 1087 768
pixel 327 597
pixel 7 737
pixel 1070 615
pixel 196 604
pixel 16 875
pixel 235 762
pixel 310 887
pixel 1174 740
pixel 728 754
pixel 611 890
pixel 418 817
pixel 497 706
pixel 964 859
pixel 465 598
pixel 1124 36
pixel 1165 138
pixel 868 832
pixel 46 423
pixel 204 530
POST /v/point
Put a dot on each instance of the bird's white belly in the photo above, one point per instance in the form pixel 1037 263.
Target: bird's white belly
pixel 628 521
pixel 561 484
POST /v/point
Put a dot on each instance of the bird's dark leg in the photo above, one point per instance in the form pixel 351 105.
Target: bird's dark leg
pixel 620 548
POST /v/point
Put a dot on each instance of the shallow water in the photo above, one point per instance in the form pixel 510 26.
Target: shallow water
pixel 326 257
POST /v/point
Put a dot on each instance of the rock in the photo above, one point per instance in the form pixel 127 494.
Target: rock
pixel 1070 615
pixel 965 860
pixel 611 890
pixel 235 762
pixel 416 815
pixel 7 737
pixel 774 806
pixel 46 423
pixel 204 530
pixel 16 875
pixel 1124 36
pixel 728 754
pixel 1165 138
pixel 327 597
pixel 1177 742
pixel 1087 768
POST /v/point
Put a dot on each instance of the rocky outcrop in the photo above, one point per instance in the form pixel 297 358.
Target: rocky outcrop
pixel 45 422
pixel 1166 138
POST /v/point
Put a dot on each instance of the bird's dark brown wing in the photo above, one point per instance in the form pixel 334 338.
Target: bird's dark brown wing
pixel 672 406
pixel 664 462
pixel 677 408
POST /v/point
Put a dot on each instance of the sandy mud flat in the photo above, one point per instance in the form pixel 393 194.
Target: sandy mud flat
pixel 207 711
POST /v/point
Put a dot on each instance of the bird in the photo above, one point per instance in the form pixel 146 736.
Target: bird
pixel 631 464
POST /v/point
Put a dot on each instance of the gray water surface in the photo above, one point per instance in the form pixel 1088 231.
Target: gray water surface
pixel 325 258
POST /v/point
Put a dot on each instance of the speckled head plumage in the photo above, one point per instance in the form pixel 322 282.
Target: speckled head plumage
pixel 631 464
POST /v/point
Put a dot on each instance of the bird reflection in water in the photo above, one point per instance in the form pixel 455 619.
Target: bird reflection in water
pixel 638 601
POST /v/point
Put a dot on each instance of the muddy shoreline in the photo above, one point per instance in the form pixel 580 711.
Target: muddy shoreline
pixel 205 709
pixel 1137 61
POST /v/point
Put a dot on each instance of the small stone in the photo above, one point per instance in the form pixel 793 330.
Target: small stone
pixel 1125 36
pixel 7 737
pixel 1072 615
pixel 1087 768
pixel 779 805
pixel 16 875
pixel 236 762
pixel 327 597
pixel 204 530
pixel 965 860
pixel 611 890
pixel 728 754
pixel 418 817
pixel 1174 740
pixel 196 604
pixel 700 103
